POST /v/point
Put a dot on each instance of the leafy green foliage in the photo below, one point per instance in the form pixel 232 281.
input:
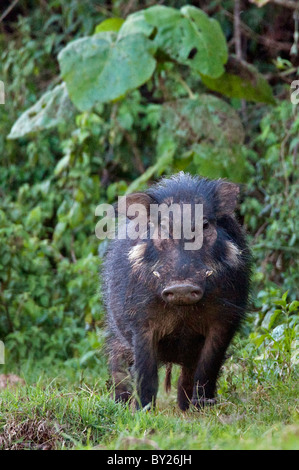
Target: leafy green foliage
pixel 104 67
pixel 277 337
pixel 126 136
pixel 241 80
pixel 205 134
pixel 45 298
pixel 272 214
pixel 123 55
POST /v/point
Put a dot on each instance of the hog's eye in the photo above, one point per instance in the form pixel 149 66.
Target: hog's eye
pixel 205 224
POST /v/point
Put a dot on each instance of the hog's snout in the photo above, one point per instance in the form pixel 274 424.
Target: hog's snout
pixel 182 294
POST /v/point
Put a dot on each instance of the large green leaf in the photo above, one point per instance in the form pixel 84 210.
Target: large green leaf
pixel 111 24
pixel 53 108
pixel 190 37
pixel 213 53
pixel 135 24
pixel 102 68
pixel 241 80
pixel 162 16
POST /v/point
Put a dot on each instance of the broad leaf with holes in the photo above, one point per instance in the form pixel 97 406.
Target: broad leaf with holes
pixel 52 109
pixel 190 37
pixel 102 68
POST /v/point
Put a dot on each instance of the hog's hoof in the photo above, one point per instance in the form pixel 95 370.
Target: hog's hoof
pixel 200 403
pixel 148 407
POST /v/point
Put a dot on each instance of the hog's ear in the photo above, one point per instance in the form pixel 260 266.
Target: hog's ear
pixel 227 197
pixel 136 198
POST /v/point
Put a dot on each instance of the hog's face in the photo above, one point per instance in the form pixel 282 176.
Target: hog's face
pixel 180 275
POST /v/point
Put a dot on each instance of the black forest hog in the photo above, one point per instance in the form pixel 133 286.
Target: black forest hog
pixel 166 304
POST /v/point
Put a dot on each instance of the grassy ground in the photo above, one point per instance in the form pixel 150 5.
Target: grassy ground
pixel 62 408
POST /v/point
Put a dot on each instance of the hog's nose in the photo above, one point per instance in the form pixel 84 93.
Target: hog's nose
pixel 182 294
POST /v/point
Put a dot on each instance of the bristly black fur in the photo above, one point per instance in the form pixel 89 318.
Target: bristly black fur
pixel 145 329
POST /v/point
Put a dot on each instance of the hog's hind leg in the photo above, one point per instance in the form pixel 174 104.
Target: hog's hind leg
pixel 120 360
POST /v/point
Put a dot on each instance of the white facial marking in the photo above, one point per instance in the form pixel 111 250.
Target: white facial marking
pixel 233 254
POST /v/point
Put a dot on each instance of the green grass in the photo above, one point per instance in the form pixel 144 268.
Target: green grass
pixel 74 410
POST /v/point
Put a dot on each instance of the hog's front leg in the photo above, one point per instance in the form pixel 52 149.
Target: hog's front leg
pixel 211 359
pixel 185 387
pixel 146 371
